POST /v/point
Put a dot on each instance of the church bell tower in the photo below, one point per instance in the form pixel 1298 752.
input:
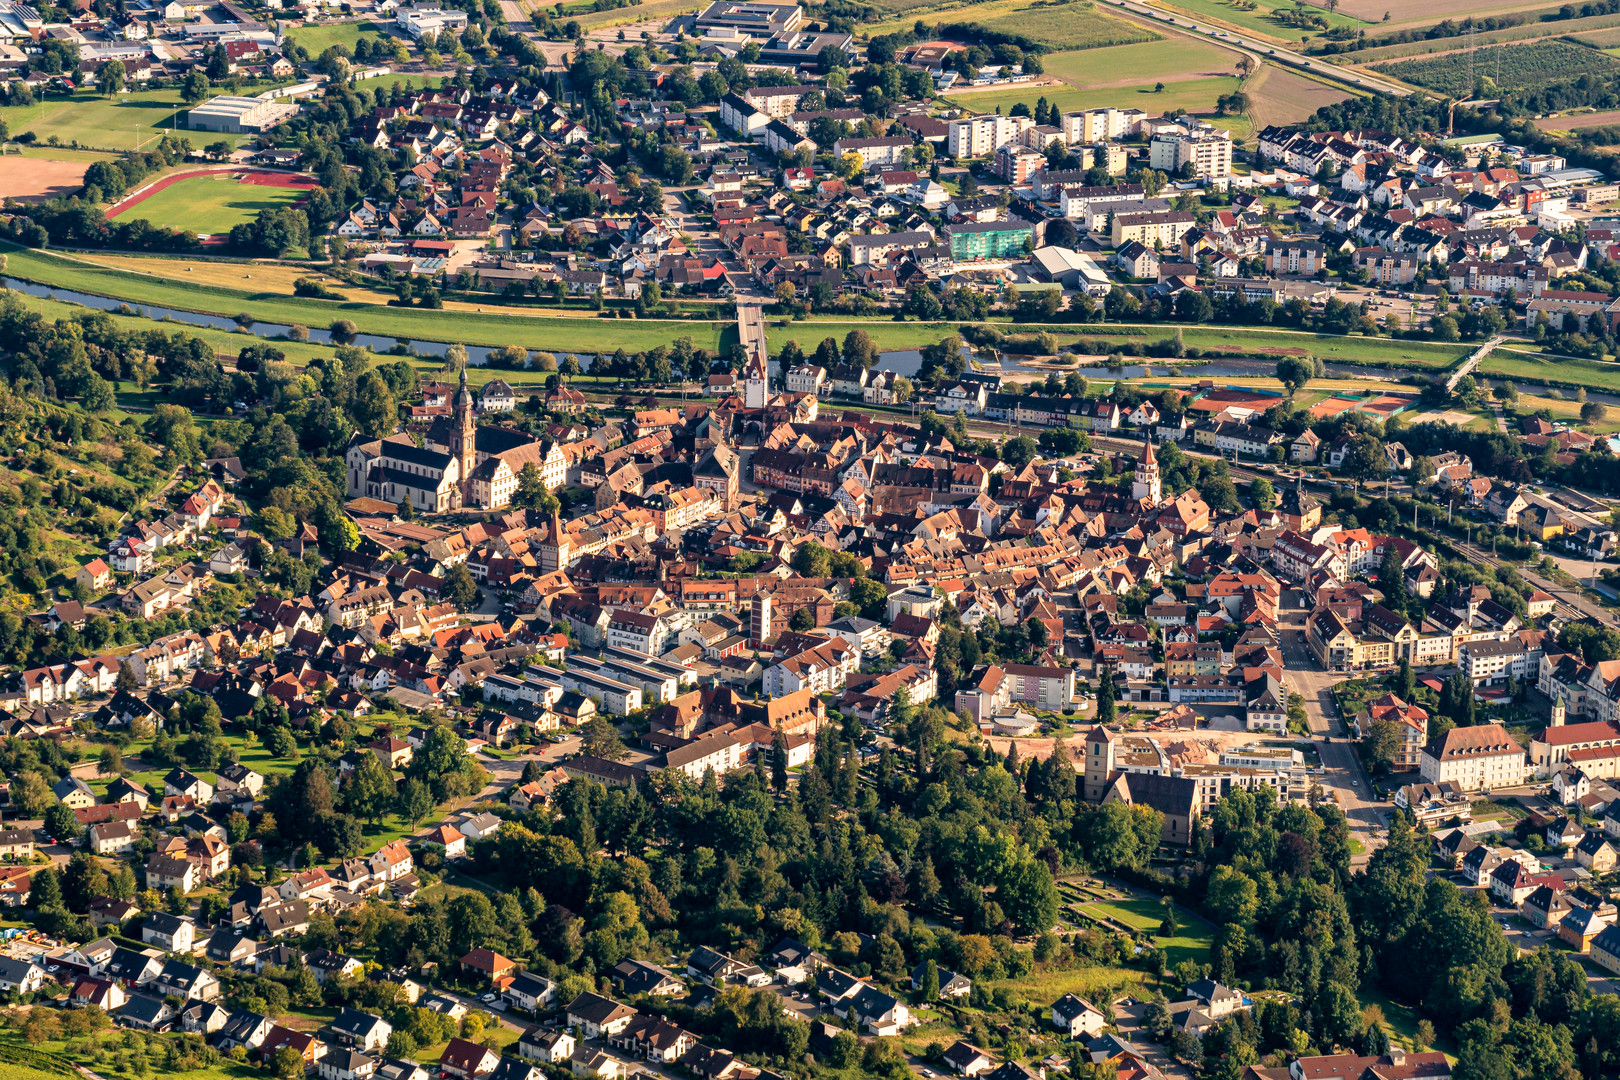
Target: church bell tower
pixel 464 436
pixel 1145 482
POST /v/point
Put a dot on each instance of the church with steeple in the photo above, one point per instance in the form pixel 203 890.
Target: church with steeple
pixel 1145 483
pixel 460 464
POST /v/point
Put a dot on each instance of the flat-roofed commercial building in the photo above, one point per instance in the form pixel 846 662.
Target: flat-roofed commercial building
pixel 238 115
pixel 764 20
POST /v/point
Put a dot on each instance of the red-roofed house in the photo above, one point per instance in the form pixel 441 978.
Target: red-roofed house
pixel 489 963
pixel 466 1060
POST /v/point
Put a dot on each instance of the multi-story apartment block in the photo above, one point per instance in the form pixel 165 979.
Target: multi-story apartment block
pixel 1099 125
pixel 1304 258
pixel 990 239
pixel 979 136
pixel 1208 152
pixel 1161 230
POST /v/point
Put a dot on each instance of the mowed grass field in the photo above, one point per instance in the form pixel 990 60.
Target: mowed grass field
pixel 1060 24
pixel 1191 941
pixel 211 204
pixel 1253 343
pixel 223 342
pixel 1192 95
pixel 1259 21
pixel 1527 368
pixel 89 119
pixel 1125 65
pixel 317 39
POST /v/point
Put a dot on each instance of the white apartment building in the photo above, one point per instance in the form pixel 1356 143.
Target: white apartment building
pixel 645 634
pixel 1083 205
pixel 980 136
pixel 822 670
pixel 1099 125
pixel 1475 759
pixel 1210 153
pixel 1494 661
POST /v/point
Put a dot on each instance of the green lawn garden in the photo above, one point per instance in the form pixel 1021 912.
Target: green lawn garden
pixel 1192 940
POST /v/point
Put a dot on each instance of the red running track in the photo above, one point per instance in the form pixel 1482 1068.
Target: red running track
pixel 261 177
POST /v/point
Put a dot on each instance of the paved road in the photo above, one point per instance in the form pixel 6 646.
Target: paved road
pixel 517 16
pixel 1129 1019
pixel 1344 777
pixel 751 329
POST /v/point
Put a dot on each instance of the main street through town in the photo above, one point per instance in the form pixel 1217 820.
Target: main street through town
pixel 1343 778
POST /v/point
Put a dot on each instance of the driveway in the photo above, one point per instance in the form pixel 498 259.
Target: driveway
pixel 1129 1019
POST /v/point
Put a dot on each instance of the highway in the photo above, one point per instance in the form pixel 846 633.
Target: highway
pixel 1262 48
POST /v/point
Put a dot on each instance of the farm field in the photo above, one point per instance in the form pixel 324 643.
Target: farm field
pixel 1579 120
pixel 96 122
pixel 40 174
pixel 1603 39
pixel 657 9
pixel 1194 95
pixel 1284 96
pixel 1061 24
pixel 317 39
pixel 1423 12
pixel 1259 20
pixel 1513 67
pixel 211 204
pixel 472 328
pixel 1125 65
pixel 1582 29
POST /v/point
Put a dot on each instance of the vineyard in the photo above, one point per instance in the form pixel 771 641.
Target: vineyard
pixel 1510 67
pixel 26 1062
